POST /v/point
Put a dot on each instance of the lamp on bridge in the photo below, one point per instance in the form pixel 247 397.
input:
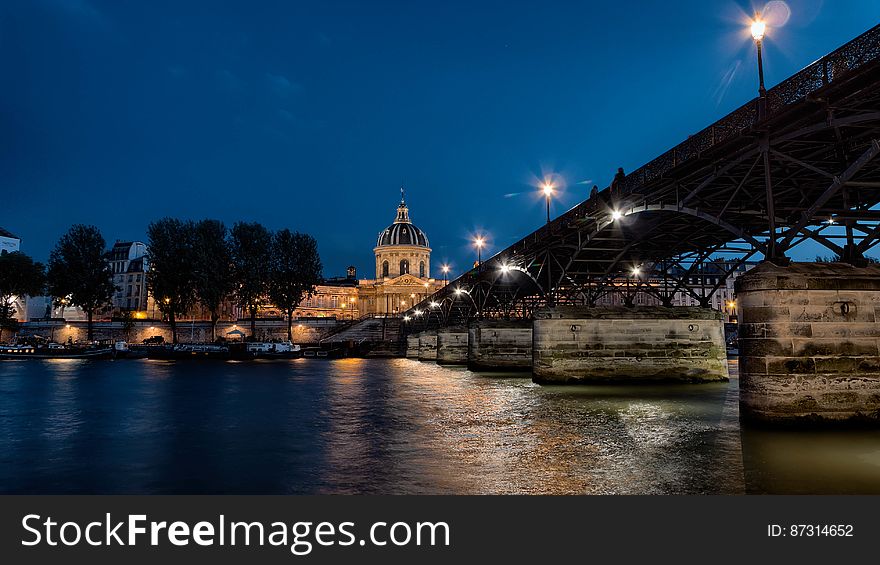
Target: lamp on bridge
pixel 479 242
pixel 445 269
pixel 759 28
pixel 547 188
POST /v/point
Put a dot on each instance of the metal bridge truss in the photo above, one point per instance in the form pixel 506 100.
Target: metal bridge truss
pixel 800 164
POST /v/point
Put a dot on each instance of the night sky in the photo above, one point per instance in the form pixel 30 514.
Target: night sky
pixel 310 115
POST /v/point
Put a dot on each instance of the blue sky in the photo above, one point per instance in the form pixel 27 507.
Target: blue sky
pixel 310 115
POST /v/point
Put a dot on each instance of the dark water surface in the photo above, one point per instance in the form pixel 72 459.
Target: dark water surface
pixel 392 426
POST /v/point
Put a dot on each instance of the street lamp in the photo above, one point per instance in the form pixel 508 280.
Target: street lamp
pixel 759 29
pixel 547 188
pixel 445 269
pixel 479 242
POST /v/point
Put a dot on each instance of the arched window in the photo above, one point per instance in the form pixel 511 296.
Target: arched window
pixel 385 269
pixel 422 269
pixel 404 267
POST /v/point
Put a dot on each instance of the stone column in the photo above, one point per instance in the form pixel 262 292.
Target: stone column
pixel 452 346
pixel 809 341
pixel 497 345
pixel 648 343
pixel 428 345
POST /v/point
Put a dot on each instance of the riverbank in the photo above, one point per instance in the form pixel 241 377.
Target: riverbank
pixel 305 332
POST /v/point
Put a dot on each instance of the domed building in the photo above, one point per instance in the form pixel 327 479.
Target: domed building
pixel 403 268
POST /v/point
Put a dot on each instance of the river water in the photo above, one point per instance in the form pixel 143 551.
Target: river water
pixel 393 426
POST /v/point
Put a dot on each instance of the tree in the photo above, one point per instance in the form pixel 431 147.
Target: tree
pixel 79 271
pixel 128 324
pixel 171 264
pixel 250 245
pixel 19 276
pixel 295 270
pixel 213 268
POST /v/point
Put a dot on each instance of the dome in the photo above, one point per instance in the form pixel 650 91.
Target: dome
pixel 402 231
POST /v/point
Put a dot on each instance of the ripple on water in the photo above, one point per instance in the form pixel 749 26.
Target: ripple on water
pixel 390 426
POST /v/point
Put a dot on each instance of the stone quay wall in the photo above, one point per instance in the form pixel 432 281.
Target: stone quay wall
pixel 646 343
pixel 306 332
pixel 809 341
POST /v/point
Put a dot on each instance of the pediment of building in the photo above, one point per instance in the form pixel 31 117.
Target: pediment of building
pixel 406 280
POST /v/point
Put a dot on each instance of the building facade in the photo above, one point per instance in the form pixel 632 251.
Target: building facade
pixel 9 242
pixel 129 265
pixel 403 269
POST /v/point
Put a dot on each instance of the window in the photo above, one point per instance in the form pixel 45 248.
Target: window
pixel 385 269
pixel 422 269
pixel 404 267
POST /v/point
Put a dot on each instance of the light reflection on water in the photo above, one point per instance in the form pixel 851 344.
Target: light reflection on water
pixel 393 426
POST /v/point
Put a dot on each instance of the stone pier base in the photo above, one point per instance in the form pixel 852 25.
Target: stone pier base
pixel 428 345
pixel 412 346
pixel 452 346
pixel 495 345
pixel 646 343
pixel 809 341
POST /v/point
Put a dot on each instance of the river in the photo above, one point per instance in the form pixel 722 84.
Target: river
pixel 314 426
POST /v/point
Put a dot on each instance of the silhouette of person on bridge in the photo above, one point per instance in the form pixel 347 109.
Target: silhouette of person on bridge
pixel 617 184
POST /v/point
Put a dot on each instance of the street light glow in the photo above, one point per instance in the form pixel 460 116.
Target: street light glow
pixel 479 242
pixel 505 269
pixel 758 30
pixel 433 304
pixel 406 318
pixel 548 189
pixel 636 271
pixel 457 291
pixel 616 215
pixel 445 268
pixel 418 312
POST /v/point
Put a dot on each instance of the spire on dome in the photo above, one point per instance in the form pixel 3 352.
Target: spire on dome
pixel 402 210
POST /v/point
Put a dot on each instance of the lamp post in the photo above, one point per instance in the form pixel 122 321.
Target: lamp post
pixel 759 28
pixel 479 242
pixel 548 192
pixel 445 269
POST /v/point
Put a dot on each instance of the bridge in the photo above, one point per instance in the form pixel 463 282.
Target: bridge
pixel 798 163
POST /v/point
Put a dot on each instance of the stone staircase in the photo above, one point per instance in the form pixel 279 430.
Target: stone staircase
pixel 376 337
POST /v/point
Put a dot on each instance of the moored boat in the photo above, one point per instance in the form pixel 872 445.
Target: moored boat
pixel 54 351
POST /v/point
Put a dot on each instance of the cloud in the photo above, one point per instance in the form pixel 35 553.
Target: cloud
pixel 282 86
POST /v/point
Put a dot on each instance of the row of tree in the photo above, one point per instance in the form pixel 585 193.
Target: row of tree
pixel 204 263
pixel 189 263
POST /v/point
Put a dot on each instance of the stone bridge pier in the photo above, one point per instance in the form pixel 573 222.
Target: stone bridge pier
pixel 498 345
pixel 412 346
pixel 428 345
pixel 619 344
pixel 452 346
pixel 809 340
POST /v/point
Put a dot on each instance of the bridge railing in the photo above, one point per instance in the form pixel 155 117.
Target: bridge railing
pixel 860 51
